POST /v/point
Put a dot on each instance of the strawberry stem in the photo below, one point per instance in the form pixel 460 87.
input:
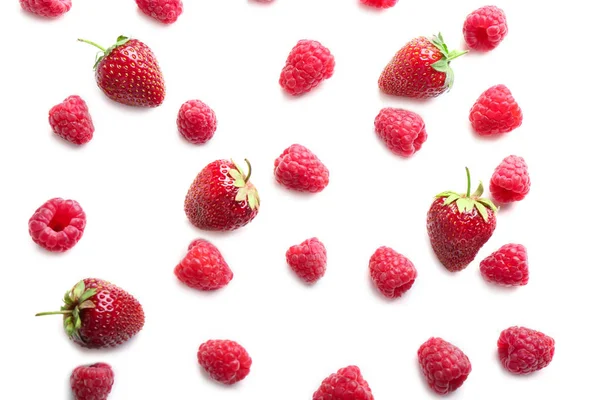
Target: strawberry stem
pixel 64 312
pixel 93 44
pixel 468 182
pixel 247 178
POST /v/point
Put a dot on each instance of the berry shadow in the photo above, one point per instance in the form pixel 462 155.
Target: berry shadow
pixel 388 98
pixel 488 138
pixel 202 293
pixel 495 287
pixel 112 350
pixel 371 9
pixel 207 378
pixel 64 142
pixel 48 253
pixel 124 107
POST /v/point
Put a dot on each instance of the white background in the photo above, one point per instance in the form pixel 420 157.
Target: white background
pixel 131 180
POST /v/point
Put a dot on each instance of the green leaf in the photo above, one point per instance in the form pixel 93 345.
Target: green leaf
pixel 449 78
pixel 87 304
pixel 445 194
pixel 441 65
pixel 452 198
pixel 479 190
pixel 482 211
pixel 122 39
pixel 235 174
pixel 488 203
pixel 78 290
pixel 252 200
pixel 78 324
pixel 67 299
pixel 242 194
pixel 239 179
pixel 470 204
pixel 462 204
pixel 68 320
pixel 87 295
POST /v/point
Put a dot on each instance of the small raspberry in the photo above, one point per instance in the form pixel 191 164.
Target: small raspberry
pixel 495 112
pixel 92 382
pixel 224 360
pixel 57 225
pixel 297 168
pixel 203 267
pixel 379 3
pixel 307 65
pixel 523 351
pixel 196 122
pixel 71 120
pixel 392 273
pixel 346 384
pixel 507 266
pixel 444 365
pixel 308 260
pixel 510 181
pixel 485 28
pixel 46 8
pixel 402 131
pixel 165 11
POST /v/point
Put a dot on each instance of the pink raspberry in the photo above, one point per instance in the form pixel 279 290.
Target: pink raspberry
pixel 379 3
pixel 165 11
pixel 485 28
pixel 308 260
pixel 308 64
pixel 523 350
pixel 224 360
pixel 507 266
pixel 57 225
pixel 402 131
pixel 495 112
pixel 71 120
pixel 444 365
pixel 392 273
pixel 510 181
pixel 196 122
pixel 297 168
pixel 92 382
pixel 346 384
pixel 203 267
pixel 46 8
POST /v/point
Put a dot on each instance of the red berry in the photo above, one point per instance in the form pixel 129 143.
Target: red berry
pixel 224 360
pixel 57 225
pixel 523 351
pixel 485 28
pixel 402 131
pixel 392 273
pixel 71 120
pixel 495 112
pixel 308 64
pixel 510 181
pixel 203 267
pixel 46 8
pixel 379 3
pixel 346 384
pixel 196 122
pixel 507 266
pixel 308 260
pixel 444 365
pixel 297 168
pixel 165 11
pixel 92 382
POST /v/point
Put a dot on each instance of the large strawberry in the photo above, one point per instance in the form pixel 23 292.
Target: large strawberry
pixel 420 69
pixel 221 197
pixel 128 73
pixel 98 314
pixel 459 225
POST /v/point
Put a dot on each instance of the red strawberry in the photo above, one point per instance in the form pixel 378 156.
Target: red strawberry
pixel 222 198
pixel 203 267
pixel 459 225
pixel 128 73
pixel 99 314
pixel 420 69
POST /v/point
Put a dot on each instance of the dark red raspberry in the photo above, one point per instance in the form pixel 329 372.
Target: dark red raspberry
pixel 523 351
pixel 165 11
pixel 46 8
pixel 346 384
pixel 379 3
pixel 485 28
pixel 495 112
pixel 444 365
pixel 308 64
pixel 392 273
pixel 203 267
pixel 402 131
pixel 71 120
pixel 308 260
pixel 224 360
pixel 297 168
pixel 92 382
pixel 507 266
pixel 57 225
pixel 510 181
pixel 196 122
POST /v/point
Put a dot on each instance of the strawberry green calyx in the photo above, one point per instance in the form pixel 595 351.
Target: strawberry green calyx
pixel 443 65
pixel 246 190
pixel 121 40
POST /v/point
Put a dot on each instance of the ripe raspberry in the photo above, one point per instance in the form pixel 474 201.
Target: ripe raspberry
pixel 224 360
pixel 495 112
pixel 444 365
pixel 71 120
pixel 392 273
pixel 485 28
pixel 307 65
pixel 379 3
pixel 92 382
pixel 57 225
pixel 507 266
pixel 510 181
pixel 46 8
pixel 203 267
pixel 165 11
pixel 346 384
pixel 402 131
pixel 523 351
pixel 308 260
pixel 297 168
pixel 196 122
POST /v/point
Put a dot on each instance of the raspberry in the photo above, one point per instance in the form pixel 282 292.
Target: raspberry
pixel 297 168
pixel 92 382
pixel 71 120
pixel 392 273
pixel 57 225
pixel 224 360
pixel 165 11
pixel 379 3
pixel 485 28
pixel 510 181
pixel 307 65
pixel 444 365
pixel 308 260
pixel 346 384
pixel 495 112
pixel 46 8
pixel 402 131
pixel 196 122
pixel 507 266
pixel 203 267
pixel 523 351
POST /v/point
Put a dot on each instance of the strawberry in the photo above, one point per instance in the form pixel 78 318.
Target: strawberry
pixel 420 69
pixel 98 314
pixel 459 225
pixel 221 198
pixel 128 73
